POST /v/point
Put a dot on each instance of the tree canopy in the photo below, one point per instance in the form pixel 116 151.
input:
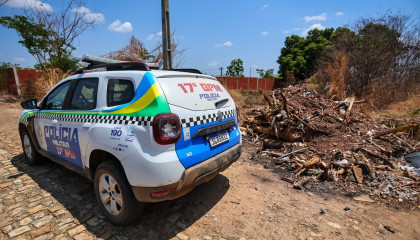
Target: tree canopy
pixel 269 73
pixel 236 68
pixel 299 54
pixel 49 36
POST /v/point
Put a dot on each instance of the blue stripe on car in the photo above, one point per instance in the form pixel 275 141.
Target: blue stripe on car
pixel 196 150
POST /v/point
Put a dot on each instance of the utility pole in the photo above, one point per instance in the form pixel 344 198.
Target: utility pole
pixel 221 71
pixel 166 36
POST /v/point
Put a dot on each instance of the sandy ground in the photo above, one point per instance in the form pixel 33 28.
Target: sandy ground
pixel 247 201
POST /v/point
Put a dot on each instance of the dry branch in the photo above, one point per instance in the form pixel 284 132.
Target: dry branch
pixel 398 129
pixel 284 155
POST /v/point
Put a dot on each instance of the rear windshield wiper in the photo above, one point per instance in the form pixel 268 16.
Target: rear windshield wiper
pixel 221 102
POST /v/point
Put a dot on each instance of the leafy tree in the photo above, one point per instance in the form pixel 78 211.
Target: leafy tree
pixel 49 36
pixel 299 55
pixel 236 68
pixel 269 73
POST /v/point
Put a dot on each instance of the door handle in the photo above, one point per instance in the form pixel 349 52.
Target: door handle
pixel 86 125
pixel 54 122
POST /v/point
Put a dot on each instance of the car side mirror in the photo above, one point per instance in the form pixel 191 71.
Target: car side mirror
pixel 29 104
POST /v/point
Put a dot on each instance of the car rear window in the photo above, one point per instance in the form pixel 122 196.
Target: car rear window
pixel 119 91
pixel 84 96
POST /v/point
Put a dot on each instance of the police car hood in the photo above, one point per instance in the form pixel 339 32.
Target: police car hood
pixel 194 91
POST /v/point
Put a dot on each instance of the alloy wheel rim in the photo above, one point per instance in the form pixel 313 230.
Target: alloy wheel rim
pixel 27 146
pixel 110 194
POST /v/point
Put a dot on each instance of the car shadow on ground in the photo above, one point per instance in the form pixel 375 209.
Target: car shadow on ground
pixel 162 220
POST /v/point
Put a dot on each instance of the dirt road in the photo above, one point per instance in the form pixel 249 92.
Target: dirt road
pixel 246 201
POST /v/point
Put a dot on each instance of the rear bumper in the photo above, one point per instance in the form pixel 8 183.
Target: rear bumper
pixel 193 176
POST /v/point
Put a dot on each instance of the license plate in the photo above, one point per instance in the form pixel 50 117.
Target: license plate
pixel 218 139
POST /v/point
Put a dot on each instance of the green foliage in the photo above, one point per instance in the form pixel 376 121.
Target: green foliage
pixel 36 38
pixel 49 35
pixel 236 68
pixel 66 63
pixel 299 55
pixel 7 65
pixel 269 73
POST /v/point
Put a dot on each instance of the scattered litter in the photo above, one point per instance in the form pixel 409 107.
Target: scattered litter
pixel 389 229
pixel 413 158
pixel 346 209
pixel 317 139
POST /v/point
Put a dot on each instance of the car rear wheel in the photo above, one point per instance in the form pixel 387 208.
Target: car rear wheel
pixel 32 156
pixel 114 194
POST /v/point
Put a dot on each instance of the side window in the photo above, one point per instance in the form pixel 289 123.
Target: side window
pixel 119 91
pixel 55 100
pixel 84 96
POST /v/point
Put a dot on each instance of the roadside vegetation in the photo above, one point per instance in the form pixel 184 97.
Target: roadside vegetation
pixel 375 59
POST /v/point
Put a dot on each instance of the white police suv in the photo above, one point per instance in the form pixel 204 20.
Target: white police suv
pixel 140 135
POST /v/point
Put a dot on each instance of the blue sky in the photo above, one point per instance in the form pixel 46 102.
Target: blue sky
pixel 212 32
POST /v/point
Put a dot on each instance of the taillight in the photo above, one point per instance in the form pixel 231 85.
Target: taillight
pixel 166 128
pixel 238 114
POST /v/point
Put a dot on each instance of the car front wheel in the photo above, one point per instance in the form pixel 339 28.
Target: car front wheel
pixel 31 154
pixel 114 194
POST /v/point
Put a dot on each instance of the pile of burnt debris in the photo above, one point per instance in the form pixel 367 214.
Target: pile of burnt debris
pixel 318 139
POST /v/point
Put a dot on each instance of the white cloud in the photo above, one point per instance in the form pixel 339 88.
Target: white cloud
pixel 322 17
pixel 89 15
pixel 313 26
pixel 296 29
pixel 213 64
pixel 339 14
pixel 264 7
pixel 154 36
pixel 226 44
pixel 286 31
pixel 18 59
pixel 34 4
pixel 117 26
pixel 264 33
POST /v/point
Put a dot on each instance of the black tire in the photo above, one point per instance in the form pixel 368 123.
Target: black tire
pixel 126 207
pixel 31 154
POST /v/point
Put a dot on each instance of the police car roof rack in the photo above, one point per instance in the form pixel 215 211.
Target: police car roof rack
pixel 100 64
pixel 188 70
pixel 97 64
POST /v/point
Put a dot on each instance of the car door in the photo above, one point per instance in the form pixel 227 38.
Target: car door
pixel 65 118
pixel 46 119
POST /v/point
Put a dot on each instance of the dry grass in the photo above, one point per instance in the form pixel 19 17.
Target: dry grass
pixel 409 107
pixel 337 72
pixel 245 99
pixel 237 97
pixel 39 87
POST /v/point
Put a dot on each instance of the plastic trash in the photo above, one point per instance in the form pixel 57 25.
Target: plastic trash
pixel 413 158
